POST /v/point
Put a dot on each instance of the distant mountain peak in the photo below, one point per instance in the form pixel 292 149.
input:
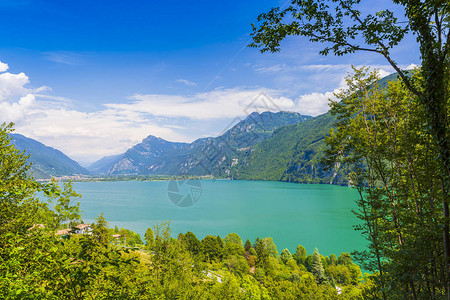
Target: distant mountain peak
pixel 152 138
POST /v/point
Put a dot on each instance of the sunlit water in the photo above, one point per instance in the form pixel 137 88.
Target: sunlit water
pixel 311 215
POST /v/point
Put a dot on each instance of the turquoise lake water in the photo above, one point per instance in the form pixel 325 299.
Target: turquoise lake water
pixel 308 214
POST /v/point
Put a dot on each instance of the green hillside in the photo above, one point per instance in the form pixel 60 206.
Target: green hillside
pixel 293 154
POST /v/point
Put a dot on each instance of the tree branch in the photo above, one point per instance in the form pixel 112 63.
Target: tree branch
pixel 439 30
pixel 447 47
pixel 332 40
pixel 385 53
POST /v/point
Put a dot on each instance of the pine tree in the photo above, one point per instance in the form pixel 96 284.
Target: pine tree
pixel 149 238
pixel 300 254
pixel 247 245
pixel 285 255
pixel 317 267
pixel 100 231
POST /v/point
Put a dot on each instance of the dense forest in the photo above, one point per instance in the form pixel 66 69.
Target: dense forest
pixel 44 255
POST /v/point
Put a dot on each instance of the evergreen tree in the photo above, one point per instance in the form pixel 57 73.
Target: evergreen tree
pixel 300 254
pixel 211 248
pixel 285 255
pixel 220 241
pixel 247 245
pixel 317 267
pixel 100 231
pixel 233 244
pixel 149 238
pixel 192 243
pixel 262 253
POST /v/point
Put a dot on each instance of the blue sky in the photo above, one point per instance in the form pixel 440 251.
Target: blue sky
pixel 93 78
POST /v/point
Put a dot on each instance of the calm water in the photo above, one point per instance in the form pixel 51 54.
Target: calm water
pixel 311 215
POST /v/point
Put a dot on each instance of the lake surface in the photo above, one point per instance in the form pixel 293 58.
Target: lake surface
pixel 308 214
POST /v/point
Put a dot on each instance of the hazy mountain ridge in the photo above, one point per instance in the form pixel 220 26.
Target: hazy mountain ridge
pixel 141 157
pixel 104 163
pixel 47 161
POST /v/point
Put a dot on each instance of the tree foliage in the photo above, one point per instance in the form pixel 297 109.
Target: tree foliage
pixel 317 267
pixel 149 237
pixel 345 28
pixel 382 137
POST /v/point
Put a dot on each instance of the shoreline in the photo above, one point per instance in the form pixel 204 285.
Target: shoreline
pixel 146 178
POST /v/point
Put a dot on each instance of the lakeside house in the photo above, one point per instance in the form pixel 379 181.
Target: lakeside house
pixel 79 229
pixel 36 226
pixel 83 229
pixel 63 231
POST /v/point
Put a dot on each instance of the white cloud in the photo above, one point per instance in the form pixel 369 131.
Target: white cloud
pixel 15 99
pixel 12 85
pixel 186 82
pixel 382 73
pixel 412 67
pixel 314 104
pixel 83 136
pixel 220 103
pixel 3 67
pixel 87 136
pixel 14 112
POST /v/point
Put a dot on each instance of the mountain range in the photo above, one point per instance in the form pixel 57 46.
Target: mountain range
pixel 281 146
pixel 206 156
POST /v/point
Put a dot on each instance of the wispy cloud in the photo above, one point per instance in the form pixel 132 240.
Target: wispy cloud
pixel 186 82
pixel 86 136
pixel 271 69
pixel 220 103
pixel 279 68
pixel 56 98
pixel 282 68
pixel 63 57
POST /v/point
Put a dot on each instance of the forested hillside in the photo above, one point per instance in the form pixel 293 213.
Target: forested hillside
pixel 292 154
